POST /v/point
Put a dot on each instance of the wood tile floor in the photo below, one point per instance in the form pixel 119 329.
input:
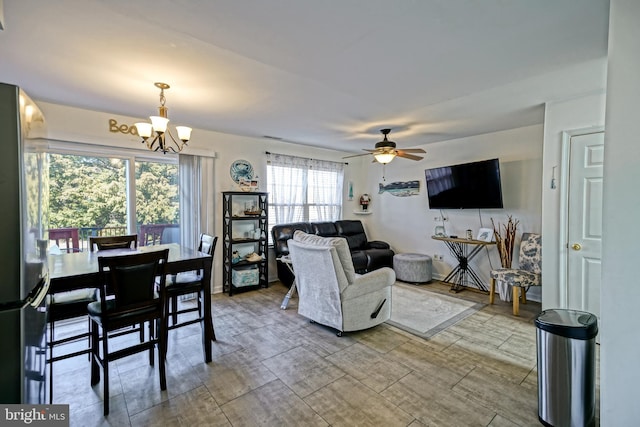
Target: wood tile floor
pixel 271 367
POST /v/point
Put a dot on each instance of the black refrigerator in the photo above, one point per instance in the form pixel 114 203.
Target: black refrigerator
pixel 23 223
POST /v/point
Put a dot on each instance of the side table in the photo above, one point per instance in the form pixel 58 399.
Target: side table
pixel 464 250
pixel 286 260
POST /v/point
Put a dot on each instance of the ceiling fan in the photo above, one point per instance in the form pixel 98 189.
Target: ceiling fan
pixel 385 151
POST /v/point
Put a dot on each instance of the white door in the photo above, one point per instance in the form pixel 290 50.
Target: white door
pixel 584 230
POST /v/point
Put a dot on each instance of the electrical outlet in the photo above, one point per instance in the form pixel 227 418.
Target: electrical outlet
pixel 437 257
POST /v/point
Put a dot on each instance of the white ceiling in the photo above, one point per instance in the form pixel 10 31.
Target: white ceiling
pixel 324 73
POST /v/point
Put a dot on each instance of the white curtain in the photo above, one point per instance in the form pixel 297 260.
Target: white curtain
pixel 303 189
pixel 287 182
pixel 197 198
pixel 325 190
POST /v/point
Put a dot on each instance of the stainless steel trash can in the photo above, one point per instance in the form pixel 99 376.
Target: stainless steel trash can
pixel 566 367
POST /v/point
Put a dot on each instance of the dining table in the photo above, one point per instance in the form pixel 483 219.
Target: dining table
pixel 70 271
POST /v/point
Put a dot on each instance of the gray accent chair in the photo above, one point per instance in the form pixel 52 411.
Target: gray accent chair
pixel 330 292
pixel 528 274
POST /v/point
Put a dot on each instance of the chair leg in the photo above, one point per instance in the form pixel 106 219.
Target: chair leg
pixel 89 337
pixel 50 345
pixel 105 374
pixel 174 310
pixel 162 350
pixel 516 300
pixel 151 337
pixel 492 290
pixel 523 292
pixel 95 342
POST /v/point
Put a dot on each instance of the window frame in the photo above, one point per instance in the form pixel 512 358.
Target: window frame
pixel 130 156
pixel 306 206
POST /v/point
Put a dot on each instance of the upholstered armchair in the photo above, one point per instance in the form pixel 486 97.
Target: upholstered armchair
pixel 330 292
pixel 528 274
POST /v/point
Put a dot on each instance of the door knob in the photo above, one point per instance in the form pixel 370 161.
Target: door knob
pixel 576 246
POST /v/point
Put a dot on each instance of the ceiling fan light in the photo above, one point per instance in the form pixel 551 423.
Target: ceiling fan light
pixel 384 158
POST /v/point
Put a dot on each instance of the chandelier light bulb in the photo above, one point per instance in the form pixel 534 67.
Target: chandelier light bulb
pixel 184 133
pixel 144 129
pixel 159 123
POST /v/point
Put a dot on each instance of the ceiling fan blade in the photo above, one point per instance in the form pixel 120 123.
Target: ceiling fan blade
pixel 413 150
pixel 401 153
pixel 358 155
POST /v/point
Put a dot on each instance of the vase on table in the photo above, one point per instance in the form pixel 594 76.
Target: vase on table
pixel 505 237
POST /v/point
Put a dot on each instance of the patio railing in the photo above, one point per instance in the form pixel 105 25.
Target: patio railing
pixel 72 239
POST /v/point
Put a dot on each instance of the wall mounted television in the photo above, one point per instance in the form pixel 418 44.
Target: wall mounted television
pixel 474 185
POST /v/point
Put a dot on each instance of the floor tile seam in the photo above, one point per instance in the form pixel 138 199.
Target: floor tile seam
pixel 480 361
pixel 531 371
pixel 365 343
pixel 362 385
pixel 500 409
pixel 280 354
pixel 474 399
pixel 509 356
pixel 411 371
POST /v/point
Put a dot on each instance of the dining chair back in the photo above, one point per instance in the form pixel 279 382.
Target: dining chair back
pixel 101 243
pixel 135 284
pixel 190 283
pixel 529 272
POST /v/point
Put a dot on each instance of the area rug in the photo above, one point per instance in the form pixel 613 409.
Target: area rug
pixel 425 313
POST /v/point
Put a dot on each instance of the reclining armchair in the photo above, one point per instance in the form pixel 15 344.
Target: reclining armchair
pixel 367 255
pixel 330 292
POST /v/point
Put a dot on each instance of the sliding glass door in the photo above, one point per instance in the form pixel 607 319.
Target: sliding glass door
pixel 103 196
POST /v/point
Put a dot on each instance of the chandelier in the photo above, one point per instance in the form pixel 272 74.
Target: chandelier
pixel 162 139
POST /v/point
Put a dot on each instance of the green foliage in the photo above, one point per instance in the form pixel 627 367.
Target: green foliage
pixel 91 192
pixel 156 193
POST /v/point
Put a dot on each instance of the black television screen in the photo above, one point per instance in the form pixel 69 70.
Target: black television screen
pixel 473 185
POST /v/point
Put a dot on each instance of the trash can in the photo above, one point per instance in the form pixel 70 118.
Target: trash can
pixel 566 367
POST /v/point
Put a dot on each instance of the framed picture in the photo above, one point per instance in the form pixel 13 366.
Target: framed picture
pixel 485 235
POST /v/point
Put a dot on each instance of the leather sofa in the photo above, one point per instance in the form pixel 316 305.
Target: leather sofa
pixel 366 255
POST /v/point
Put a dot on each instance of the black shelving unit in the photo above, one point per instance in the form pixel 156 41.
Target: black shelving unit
pixel 244 230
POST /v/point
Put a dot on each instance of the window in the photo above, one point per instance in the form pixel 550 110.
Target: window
pixel 157 203
pixel 99 195
pixel 303 189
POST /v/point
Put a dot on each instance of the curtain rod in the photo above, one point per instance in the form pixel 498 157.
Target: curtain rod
pixel 278 154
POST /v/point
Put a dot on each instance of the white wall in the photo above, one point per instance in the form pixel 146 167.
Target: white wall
pixel 407 223
pixel 78 125
pixel 620 297
pixel 586 112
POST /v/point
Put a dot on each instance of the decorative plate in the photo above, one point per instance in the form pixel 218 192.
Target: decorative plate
pixel 241 170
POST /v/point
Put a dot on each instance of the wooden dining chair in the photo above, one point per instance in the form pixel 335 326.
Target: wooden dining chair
pixel 135 284
pixel 190 283
pixel 101 243
pixel 69 236
pixel 65 305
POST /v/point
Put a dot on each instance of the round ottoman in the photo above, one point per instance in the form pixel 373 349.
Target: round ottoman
pixel 412 268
